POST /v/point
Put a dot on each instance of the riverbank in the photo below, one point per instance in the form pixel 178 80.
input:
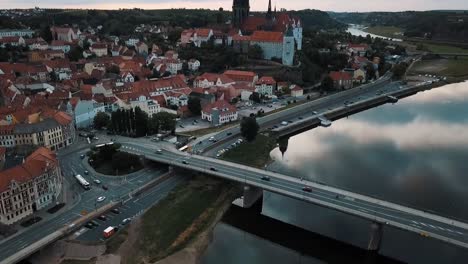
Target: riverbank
pixel 389 32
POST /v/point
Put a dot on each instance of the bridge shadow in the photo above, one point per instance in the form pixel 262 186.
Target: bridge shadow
pixel 307 243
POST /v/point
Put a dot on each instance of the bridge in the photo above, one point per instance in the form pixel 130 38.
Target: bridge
pixel 314 119
pixel 379 212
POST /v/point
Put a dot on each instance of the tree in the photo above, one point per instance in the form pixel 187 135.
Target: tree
pixel 399 70
pixel 122 161
pixel 167 121
pixel 194 105
pixel 101 120
pixel 141 122
pixel 255 52
pixel 249 128
pixel 46 34
pixel 327 84
pixel 114 69
pixel 255 97
pixel 153 125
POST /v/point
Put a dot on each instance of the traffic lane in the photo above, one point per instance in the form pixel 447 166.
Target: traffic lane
pixel 360 205
pixel 420 222
pixel 130 209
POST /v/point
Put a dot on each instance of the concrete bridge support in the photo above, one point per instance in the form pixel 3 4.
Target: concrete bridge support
pixel 251 195
pixel 375 237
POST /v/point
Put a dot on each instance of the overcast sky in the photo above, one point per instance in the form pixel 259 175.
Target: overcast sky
pixel 258 5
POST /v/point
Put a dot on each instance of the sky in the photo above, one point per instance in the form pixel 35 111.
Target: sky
pixel 256 5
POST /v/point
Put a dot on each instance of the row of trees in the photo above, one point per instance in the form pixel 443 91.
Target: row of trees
pixel 135 122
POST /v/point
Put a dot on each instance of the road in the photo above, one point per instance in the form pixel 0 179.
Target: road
pixel 85 201
pixel 421 222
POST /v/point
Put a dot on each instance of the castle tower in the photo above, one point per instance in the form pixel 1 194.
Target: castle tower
pixel 240 12
pixel 288 47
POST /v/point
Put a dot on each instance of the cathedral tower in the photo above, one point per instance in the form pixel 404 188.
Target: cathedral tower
pixel 240 12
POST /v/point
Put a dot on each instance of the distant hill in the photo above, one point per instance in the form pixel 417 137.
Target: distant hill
pixel 316 19
pixel 435 25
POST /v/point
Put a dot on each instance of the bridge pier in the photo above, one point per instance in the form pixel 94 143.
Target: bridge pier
pixel 250 196
pixel 375 239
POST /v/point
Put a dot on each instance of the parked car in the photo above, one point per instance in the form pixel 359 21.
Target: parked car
pixel 126 221
pixel 86 172
pixel 82 156
pixel 105 188
pixel 89 225
pixel 102 218
pixel 96 181
pixel 94 223
pixel 115 211
pixel 100 199
pixel 184 162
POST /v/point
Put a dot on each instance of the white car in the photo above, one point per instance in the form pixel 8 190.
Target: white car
pixel 97 181
pixel 159 151
pixel 100 199
pixel 284 123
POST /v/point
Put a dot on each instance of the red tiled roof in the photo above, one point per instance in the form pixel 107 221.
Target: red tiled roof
pixel 58 43
pixel 221 105
pixel 62 118
pixel 99 46
pixel 203 32
pixel 267 36
pixel 240 38
pixel 336 76
pixel 35 165
pixel 240 75
pixel 266 80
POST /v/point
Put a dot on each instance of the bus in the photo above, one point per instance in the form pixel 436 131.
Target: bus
pixel 82 181
pixel 184 148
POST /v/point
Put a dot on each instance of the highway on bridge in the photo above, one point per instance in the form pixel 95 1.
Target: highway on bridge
pixel 422 222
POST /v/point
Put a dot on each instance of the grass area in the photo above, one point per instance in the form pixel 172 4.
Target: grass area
pixel 457 67
pixel 389 32
pixel 255 154
pixel 106 169
pixel 177 219
pixel 436 48
pixel 205 131
pixel 445 67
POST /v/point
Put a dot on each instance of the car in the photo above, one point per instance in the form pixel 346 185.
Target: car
pixel 105 188
pixel 82 156
pixel 307 189
pixel 184 162
pixel 115 211
pixel 266 178
pixel 158 151
pixel 89 225
pixel 94 223
pixel 126 221
pixel 83 135
pixel 212 139
pixel 315 112
pixel 96 181
pixel 213 169
pixel 86 172
pixel 100 199
pixel 284 123
pixel 95 138
pixel 275 126
pixel 290 121
pixel 193 123
pixel 102 218
pixel 229 133
pixel 300 118
pixel 218 155
pixel 181 126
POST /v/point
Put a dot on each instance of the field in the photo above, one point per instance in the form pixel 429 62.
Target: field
pixel 445 67
pixel 389 32
pixel 436 48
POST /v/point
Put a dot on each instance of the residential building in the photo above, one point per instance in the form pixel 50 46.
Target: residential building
pixel 99 49
pixel 219 112
pixel 66 34
pixel 60 45
pixel 341 80
pixel 146 104
pixel 296 91
pixel 265 86
pixel 242 76
pixel 193 64
pixel 16 33
pixel 85 111
pixel 12 41
pixel 207 80
pixel 29 187
pixel 141 48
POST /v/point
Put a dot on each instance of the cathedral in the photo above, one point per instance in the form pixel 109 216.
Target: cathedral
pixel 277 33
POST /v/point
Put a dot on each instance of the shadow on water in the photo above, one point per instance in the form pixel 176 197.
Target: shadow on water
pixel 307 243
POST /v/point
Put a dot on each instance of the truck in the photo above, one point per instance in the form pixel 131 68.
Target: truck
pixel 109 231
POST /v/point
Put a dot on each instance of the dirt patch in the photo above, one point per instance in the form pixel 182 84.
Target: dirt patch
pixel 431 66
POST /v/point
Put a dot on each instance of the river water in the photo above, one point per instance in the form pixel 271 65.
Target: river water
pixel 414 153
pixel 358 30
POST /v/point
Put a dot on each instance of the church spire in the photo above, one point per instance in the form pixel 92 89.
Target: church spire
pixel 269 6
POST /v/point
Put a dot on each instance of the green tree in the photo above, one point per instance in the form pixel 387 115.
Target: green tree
pixel 249 128
pixel 399 70
pixel 255 97
pixel 167 121
pixel 46 34
pixel 101 120
pixel 141 122
pixel 327 84
pixel 194 105
pixel 153 125
pixel 255 52
pixel 121 161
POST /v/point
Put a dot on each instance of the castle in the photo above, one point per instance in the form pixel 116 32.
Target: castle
pixel 277 33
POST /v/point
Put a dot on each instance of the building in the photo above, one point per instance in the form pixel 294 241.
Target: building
pixel 219 112
pixel 60 45
pixel 242 76
pixel 141 48
pixel 196 36
pixel 296 91
pixel 240 12
pixel 85 111
pixel 66 34
pixel 16 33
pixel 341 80
pixel 146 104
pixel 265 86
pixel 99 49
pixel 29 187
pixel 207 80
pixel 193 64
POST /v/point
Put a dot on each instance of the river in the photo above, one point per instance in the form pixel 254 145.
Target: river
pixel 413 153
pixel 358 30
